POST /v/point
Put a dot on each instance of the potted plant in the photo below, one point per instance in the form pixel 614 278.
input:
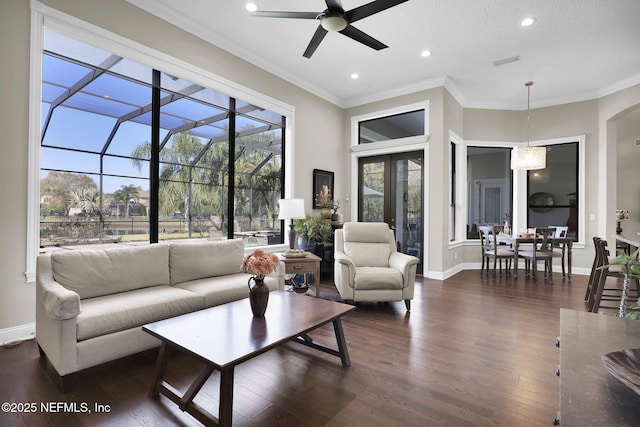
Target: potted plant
pixel 335 206
pixel 312 231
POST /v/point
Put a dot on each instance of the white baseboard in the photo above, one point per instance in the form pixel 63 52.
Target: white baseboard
pixel 17 333
pixel 442 275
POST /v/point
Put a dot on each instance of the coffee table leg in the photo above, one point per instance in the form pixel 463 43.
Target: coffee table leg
pixel 161 367
pixel 342 343
pixel 226 397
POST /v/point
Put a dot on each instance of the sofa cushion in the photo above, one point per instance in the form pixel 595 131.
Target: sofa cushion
pixel 192 260
pixel 370 278
pixel 224 289
pixel 111 313
pixel 97 272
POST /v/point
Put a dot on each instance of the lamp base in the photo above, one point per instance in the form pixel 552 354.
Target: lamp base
pixel 293 243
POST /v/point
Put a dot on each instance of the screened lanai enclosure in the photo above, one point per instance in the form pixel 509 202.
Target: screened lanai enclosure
pixel 129 153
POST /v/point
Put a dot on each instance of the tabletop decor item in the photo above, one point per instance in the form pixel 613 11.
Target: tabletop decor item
pixel 625 366
pixel 259 263
pixel 621 215
pixel 291 209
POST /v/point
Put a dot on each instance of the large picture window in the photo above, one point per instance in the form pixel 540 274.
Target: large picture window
pixel 490 187
pixel 220 159
pixel 552 193
pixel 488 192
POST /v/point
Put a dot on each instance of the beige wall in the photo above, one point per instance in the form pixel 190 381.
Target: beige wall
pixel 17 305
pixel 628 169
pixel 322 133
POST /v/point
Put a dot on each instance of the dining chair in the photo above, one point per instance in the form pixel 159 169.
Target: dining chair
pixel 491 249
pixel 602 295
pixel 541 250
pixel 559 248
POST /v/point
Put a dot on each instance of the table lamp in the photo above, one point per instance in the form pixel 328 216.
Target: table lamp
pixel 291 209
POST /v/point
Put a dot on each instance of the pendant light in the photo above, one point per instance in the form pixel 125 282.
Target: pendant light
pixel 528 158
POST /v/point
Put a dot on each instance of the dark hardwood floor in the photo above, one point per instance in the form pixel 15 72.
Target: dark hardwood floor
pixel 473 351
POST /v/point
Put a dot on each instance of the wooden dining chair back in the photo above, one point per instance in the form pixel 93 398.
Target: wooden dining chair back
pixel 560 247
pixel 541 250
pixel 607 294
pixel 492 250
pixel 594 275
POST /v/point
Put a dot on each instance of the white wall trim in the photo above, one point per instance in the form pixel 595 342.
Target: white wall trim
pixel 419 143
pixel 17 333
pixel 33 167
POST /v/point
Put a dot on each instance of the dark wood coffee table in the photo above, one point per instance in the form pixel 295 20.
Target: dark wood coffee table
pixel 227 335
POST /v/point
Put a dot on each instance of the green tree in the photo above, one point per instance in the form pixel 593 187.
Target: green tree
pixel 56 187
pixel 85 199
pixel 127 194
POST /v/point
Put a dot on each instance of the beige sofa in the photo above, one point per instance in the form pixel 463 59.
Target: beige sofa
pixel 91 304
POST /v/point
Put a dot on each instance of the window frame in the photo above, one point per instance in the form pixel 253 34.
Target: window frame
pixel 519 209
pixel 44 16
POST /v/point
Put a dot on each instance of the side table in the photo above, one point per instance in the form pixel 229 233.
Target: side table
pixel 304 265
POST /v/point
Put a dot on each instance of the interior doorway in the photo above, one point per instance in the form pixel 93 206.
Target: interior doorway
pixel 390 189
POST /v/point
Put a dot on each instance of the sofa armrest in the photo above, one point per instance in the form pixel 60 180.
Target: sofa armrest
pixel 406 264
pixel 57 301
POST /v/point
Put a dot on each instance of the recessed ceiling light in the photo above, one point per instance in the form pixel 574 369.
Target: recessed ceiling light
pixel 354 75
pixel 527 21
pixel 425 53
pixel 251 7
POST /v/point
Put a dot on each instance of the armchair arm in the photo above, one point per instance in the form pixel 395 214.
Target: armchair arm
pixel 345 269
pixel 57 301
pixel 406 264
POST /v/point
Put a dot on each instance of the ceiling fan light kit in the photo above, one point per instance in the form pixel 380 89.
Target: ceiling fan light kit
pixel 333 22
pixel 336 19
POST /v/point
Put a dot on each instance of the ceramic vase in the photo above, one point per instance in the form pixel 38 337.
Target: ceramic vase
pixel 258 296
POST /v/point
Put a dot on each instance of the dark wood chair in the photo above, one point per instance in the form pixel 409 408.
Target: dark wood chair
pixel 541 250
pixel 600 294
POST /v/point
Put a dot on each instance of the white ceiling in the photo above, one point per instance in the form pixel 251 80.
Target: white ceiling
pixel 576 50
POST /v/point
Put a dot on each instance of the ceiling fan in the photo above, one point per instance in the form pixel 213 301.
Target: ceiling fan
pixel 335 18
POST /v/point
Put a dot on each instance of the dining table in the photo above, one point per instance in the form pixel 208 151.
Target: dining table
pixel 564 243
pixel 631 241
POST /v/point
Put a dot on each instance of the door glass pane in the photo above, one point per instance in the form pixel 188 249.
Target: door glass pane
pixel 408 206
pixel 372 189
pixel 490 188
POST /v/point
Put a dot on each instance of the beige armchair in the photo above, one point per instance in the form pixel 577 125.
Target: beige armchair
pixel 368 266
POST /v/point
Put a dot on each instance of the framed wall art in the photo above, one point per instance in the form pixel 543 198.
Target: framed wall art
pixel 322 188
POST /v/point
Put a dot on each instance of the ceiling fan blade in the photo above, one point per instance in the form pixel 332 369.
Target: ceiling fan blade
pixel 334 5
pixel 295 15
pixel 371 8
pixel 315 41
pixel 363 38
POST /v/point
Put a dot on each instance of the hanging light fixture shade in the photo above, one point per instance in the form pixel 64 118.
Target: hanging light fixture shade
pixel 528 158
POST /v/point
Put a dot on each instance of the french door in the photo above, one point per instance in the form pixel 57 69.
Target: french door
pixel 390 189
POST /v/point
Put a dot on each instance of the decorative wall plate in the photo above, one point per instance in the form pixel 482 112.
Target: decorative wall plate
pixel 538 202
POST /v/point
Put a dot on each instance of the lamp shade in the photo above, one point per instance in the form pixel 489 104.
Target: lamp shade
pixel 528 158
pixel 291 208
